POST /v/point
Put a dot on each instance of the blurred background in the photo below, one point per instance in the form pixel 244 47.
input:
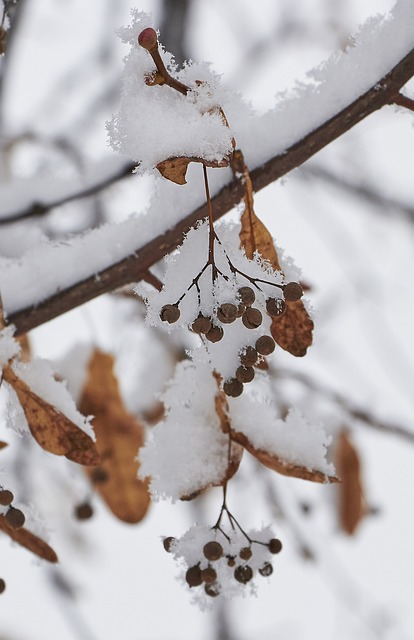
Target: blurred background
pixel 346 217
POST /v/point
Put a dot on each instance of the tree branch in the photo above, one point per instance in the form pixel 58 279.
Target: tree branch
pixel 133 268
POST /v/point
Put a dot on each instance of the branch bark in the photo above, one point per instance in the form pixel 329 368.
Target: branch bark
pixel 134 267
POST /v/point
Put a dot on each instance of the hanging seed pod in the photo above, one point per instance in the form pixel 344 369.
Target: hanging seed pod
pixel 6 497
pixel 213 550
pixel 247 296
pixel 275 307
pixel 209 575
pixel 252 318
pixel 233 387
pixel 15 518
pixel 245 553
pixel 265 345
pixel 231 562
pixel 83 511
pixel 168 543
pixel 202 324
pixel 275 546
pixel 215 334
pixel 266 570
pixel 193 576
pixel 243 574
pixel 292 291
pixel 245 374
pixel 227 313
pixel 170 313
pixel 212 590
pixel 248 357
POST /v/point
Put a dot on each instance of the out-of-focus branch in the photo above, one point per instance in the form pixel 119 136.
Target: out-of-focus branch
pixel 174 27
pixel 131 269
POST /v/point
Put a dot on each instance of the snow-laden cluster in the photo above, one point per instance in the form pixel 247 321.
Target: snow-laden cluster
pixel 155 123
pixel 190 288
pixel 223 562
pixel 190 438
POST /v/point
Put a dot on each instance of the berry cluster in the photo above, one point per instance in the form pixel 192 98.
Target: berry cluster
pixel 220 562
pixel 14 518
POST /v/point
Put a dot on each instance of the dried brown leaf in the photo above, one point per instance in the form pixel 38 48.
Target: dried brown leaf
pixel 29 540
pixel 351 501
pixel 293 330
pixel 119 436
pixel 278 464
pixel 50 428
pixel 3 444
pixel 175 169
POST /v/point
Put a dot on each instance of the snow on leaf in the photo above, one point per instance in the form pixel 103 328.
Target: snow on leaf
pixel 51 429
pixel 119 437
pixel 29 540
pixel 351 500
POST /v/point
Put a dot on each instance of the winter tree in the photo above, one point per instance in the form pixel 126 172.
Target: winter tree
pixel 205 346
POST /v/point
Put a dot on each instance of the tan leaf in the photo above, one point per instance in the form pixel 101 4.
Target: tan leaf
pixel 175 169
pixel 29 540
pixel 3 444
pixel 293 330
pixel 278 464
pixel 351 501
pixel 119 436
pixel 51 428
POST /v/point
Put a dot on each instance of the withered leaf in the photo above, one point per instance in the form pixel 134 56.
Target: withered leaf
pixel 293 330
pixel 119 436
pixel 175 169
pixel 51 428
pixel 3 444
pixel 278 464
pixel 29 540
pixel 351 501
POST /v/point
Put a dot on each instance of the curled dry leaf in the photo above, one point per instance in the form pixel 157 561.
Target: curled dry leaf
pixel 293 330
pixel 351 501
pixel 119 436
pixel 29 540
pixel 278 464
pixel 52 430
pixel 175 169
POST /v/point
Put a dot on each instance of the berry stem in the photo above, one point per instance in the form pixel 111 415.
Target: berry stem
pixel 212 234
pixel 172 82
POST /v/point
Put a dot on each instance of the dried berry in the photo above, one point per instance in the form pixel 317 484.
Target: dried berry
pixel 212 590
pixel 215 334
pixel 227 313
pixel 245 374
pixel 243 574
pixel 233 387
pixel 293 291
pixel 245 553
pixel 209 575
pixel 193 576
pixel 275 546
pixel 247 296
pixel 266 570
pixel 168 543
pixel 148 38
pixel 252 318
pixel 170 313
pixel 213 550
pixel 265 345
pixel 231 562
pixel 248 357
pixel 202 324
pixel 2 585
pixel 275 307
pixel 6 497
pixel 83 511
pixel 15 518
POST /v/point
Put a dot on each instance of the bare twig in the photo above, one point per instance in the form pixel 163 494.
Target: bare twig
pixel 133 267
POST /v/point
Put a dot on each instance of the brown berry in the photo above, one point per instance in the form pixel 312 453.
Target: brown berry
pixel 170 313
pixel 247 296
pixel 213 550
pixel 245 374
pixel 265 345
pixel 15 518
pixel 209 575
pixel 233 387
pixel 248 357
pixel 266 570
pixel 227 313
pixel 6 497
pixel 243 574
pixel 83 511
pixel 202 324
pixel 168 543
pixel 2 585
pixel 252 318
pixel 193 576
pixel 275 307
pixel 293 291
pixel 212 590
pixel 148 38
pixel 245 553
pixel 275 546
pixel 231 561
pixel 215 334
